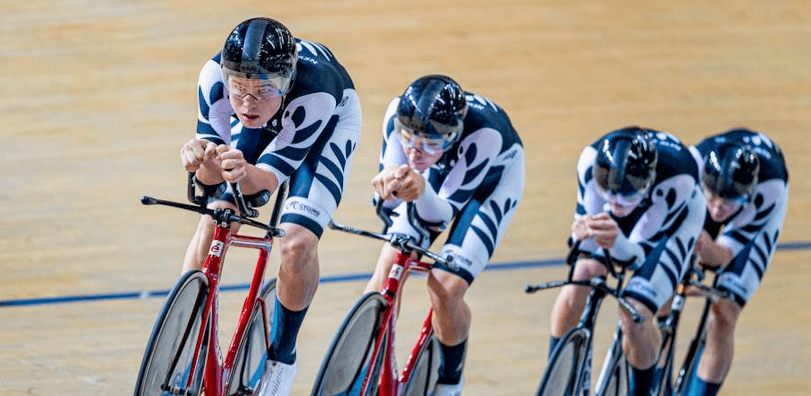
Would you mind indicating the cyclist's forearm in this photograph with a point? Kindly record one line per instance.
(209, 175)
(625, 250)
(258, 180)
(432, 208)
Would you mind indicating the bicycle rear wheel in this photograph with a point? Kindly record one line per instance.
(249, 363)
(167, 361)
(426, 369)
(349, 357)
(565, 365)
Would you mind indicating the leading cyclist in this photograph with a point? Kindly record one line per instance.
(449, 159)
(273, 108)
(638, 196)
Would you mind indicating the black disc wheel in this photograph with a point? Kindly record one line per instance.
(166, 368)
(348, 361)
(249, 363)
(618, 378)
(426, 369)
(564, 366)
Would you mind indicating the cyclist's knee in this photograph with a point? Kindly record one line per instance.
(724, 317)
(446, 288)
(637, 331)
(587, 269)
(299, 244)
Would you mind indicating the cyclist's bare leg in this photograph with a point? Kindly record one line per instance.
(381, 272)
(716, 359)
(571, 299)
(298, 272)
(295, 288)
(451, 319)
(641, 343)
(451, 322)
(200, 243)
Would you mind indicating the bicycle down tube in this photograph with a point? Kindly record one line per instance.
(218, 371)
(403, 264)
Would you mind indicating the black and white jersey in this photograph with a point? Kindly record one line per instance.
(657, 238)
(309, 142)
(751, 233)
(322, 94)
(475, 186)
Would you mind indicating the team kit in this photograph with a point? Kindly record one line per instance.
(278, 111)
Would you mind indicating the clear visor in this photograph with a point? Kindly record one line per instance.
(624, 200)
(261, 87)
(430, 145)
(728, 203)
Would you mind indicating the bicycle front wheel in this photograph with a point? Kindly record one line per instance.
(426, 369)
(167, 364)
(565, 365)
(618, 378)
(249, 363)
(348, 359)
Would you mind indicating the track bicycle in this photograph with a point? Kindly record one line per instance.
(361, 359)
(183, 355)
(568, 371)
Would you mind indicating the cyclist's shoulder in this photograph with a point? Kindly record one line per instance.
(318, 70)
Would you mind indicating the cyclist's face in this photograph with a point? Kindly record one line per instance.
(620, 205)
(419, 158)
(719, 208)
(422, 151)
(254, 101)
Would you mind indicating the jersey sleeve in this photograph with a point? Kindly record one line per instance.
(589, 202)
(213, 107)
(391, 152)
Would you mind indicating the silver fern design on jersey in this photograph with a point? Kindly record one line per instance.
(763, 244)
(499, 212)
(336, 167)
(204, 129)
(285, 158)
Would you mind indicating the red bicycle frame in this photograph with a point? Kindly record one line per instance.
(390, 385)
(218, 371)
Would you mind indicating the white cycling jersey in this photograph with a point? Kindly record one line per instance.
(311, 140)
(751, 233)
(474, 188)
(657, 238)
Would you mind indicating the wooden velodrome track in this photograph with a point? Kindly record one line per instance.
(98, 97)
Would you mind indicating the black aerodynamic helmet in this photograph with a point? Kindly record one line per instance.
(626, 160)
(731, 171)
(433, 106)
(260, 48)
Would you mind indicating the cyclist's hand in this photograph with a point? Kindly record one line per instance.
(399, 182)
(704, 240)
(195, 152)
(379, 183)
(232, 163)
(604, 229)
(407, 184)
(580, 228)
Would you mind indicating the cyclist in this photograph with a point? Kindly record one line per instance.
(449, 158)
(745, 180)
(274, 108)
(638, 197)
